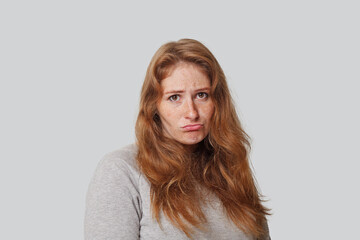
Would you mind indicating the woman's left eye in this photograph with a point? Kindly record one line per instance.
(202, 95)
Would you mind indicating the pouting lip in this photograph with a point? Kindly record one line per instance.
(192, 125)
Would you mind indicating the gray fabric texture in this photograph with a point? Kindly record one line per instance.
(118, 206)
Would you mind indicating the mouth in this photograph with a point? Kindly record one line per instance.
(192, 127)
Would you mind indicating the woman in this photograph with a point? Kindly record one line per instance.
(188, 174)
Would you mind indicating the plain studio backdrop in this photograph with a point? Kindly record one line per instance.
(71, 73)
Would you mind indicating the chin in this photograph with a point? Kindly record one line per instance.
(192, 141)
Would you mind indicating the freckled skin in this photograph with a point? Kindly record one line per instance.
(191, 105)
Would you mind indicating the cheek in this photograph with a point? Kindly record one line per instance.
(209, 111)
(167, 115)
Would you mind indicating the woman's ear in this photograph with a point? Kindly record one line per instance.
(156, 117)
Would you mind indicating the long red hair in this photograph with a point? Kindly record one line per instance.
(220, 163)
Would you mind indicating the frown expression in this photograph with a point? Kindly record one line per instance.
(185, 108)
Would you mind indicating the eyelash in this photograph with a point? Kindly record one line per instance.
(177, 95)
(205, 94)
(170, 98)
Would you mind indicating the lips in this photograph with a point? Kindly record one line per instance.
(192, 127)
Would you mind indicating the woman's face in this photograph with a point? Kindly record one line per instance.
(185, 108)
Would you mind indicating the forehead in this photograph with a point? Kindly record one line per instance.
(185, 75)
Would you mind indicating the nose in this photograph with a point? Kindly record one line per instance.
(191, 111)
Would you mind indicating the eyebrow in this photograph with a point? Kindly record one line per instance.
(181, 91)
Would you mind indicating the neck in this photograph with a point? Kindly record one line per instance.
(190, 148)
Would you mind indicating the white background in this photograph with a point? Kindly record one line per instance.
(71, 73)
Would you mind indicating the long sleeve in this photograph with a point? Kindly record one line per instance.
(118, 206)
(266, 227)
(113, 204)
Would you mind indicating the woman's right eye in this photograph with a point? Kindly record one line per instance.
(174, 98)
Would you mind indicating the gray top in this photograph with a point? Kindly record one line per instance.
(118, 206)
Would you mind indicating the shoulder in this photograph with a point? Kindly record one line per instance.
(122, 158)
(118, 166)
(113, 201)
(115, 175)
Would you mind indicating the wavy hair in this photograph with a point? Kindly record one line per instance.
(220, 164)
